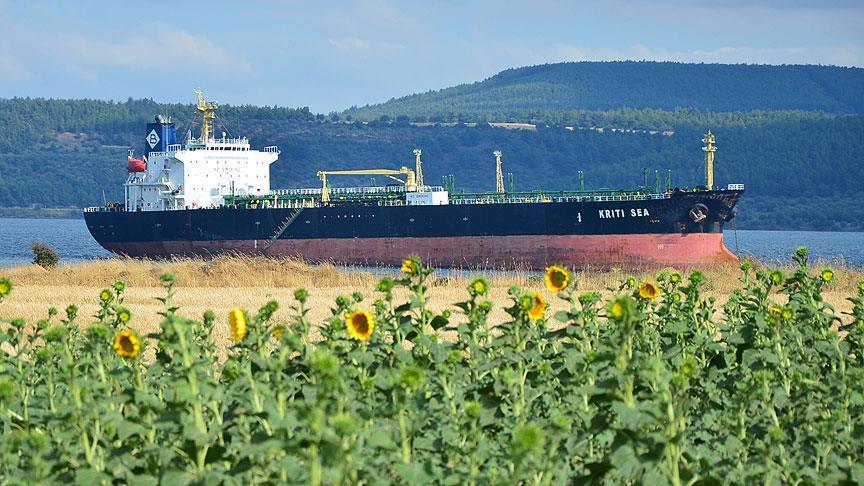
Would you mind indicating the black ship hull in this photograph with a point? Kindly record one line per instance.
(684, 228)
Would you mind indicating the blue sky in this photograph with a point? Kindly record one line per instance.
(331, 55)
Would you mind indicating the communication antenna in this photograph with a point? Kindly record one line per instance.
(499, 174)
(709, 149)
(419, 169)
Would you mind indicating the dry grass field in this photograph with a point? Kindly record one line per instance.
(249, 282)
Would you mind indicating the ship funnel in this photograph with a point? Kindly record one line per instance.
(159, 135)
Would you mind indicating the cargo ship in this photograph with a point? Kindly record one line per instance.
(211, 195)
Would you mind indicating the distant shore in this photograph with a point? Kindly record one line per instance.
(42, 213)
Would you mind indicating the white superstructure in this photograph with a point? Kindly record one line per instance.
(198, 173)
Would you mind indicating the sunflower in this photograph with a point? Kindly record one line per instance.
(539, 308)
(409, 267)
(616, 309)
(776, 277)
(479, 286)
(556, 278)
(360, 324)
(648, 290)
(278, 331)
(127, 344)
(774, 315)
(827, 275)
(5, 287)
(675, 278)
(237, 324)
(124, 315)
(105, 295)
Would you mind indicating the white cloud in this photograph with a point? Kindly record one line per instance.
(150, 48)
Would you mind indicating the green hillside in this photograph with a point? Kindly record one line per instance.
(802, 168)
(554, 92)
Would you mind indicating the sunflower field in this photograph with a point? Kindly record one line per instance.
(657, 384)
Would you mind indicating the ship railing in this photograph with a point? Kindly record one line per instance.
(174, 147)
(271, 149)
(226, 140)
(353, 190)
(157, 154)
(540, 198)
(112, 208)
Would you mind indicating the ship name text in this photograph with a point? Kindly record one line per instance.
(621, 213)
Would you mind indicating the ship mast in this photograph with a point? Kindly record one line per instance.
(418, 169)
(709, 149)
(499, 173)
(208, 114)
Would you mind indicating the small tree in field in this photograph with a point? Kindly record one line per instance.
(44, 255)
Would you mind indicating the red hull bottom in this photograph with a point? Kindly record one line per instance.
(639, 250)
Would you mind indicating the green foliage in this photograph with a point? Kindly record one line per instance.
(549, 89)
(657, 389)
(44, 255)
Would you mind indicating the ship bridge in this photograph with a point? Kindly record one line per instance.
(199, 173)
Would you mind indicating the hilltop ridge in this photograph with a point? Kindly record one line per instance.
(549, 91)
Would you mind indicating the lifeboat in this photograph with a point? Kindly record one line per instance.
(136, 165)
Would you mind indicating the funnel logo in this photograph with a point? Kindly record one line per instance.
(152, 139)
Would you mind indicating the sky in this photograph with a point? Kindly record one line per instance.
(332, 55)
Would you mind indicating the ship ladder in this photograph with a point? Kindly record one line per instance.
(282, 227)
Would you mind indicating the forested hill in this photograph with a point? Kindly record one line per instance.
(548, 92)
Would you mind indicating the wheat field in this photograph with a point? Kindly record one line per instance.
(249, 282)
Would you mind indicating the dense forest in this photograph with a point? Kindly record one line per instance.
(551, 92)
(802, 168)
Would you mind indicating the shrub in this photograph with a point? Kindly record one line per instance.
(44, 255)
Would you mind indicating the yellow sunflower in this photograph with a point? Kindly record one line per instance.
(409, 267)
(105, 295)
(539, 308)
(360, 324)
(127, 344)
(237, 324)
(616, 309)
(479, 286)
(648, 290)
(5, 287)
(556, 278)
(827, 275)
(124, 315)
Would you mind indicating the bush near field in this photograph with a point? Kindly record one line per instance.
(656, 384)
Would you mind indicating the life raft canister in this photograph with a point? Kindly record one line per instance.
(136, 165)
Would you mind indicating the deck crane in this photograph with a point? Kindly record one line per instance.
(410, 181)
